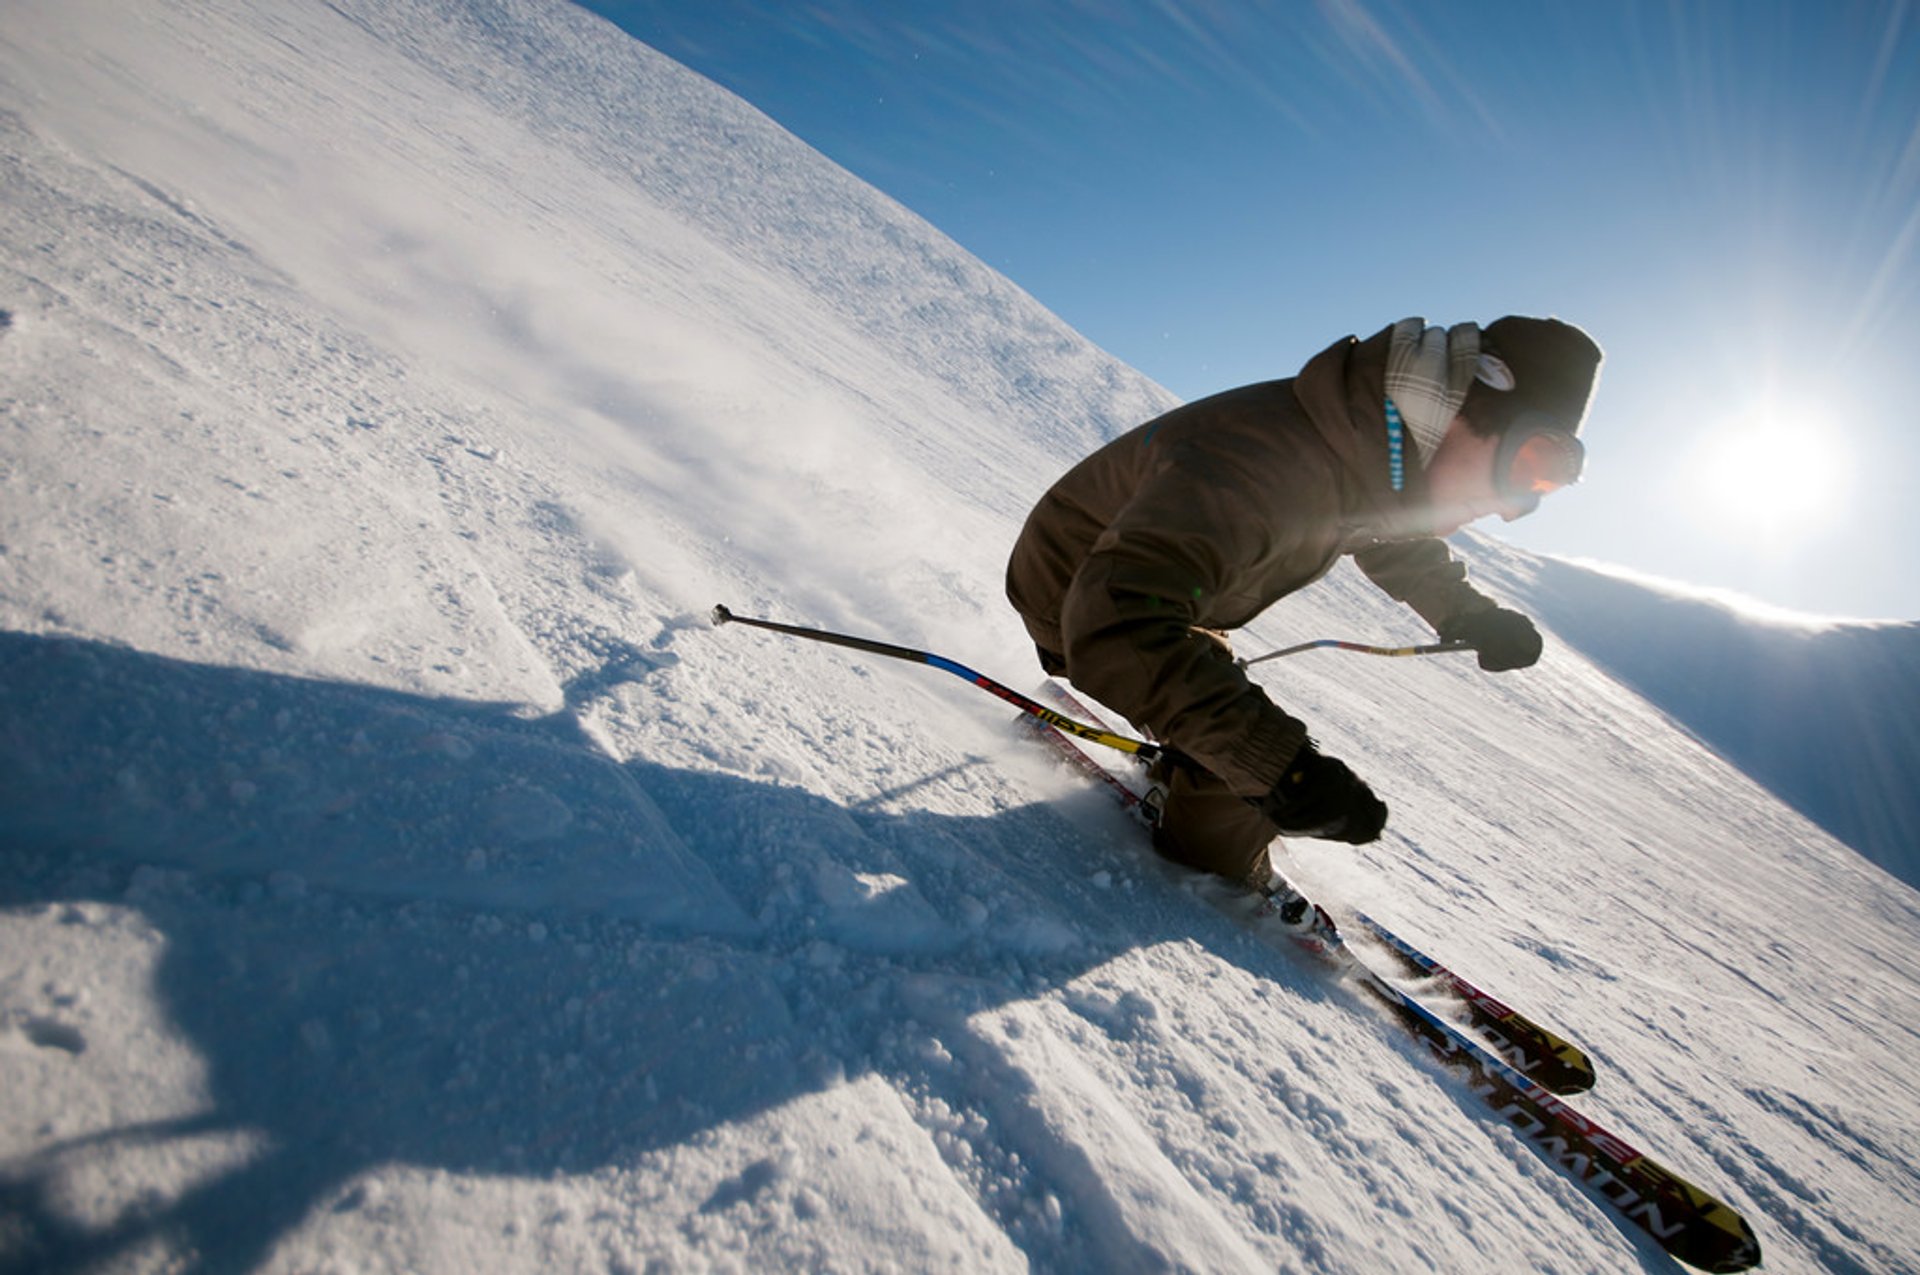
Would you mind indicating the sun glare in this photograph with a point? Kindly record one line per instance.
(1773, 472)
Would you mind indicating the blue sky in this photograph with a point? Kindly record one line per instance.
(1727, 195)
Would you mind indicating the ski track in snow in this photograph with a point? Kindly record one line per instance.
(399, 872)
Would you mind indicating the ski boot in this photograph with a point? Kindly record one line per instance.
(1303, 920)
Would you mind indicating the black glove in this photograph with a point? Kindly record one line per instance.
(1505, 639)
(1320, 797)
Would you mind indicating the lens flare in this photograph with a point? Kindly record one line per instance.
(1772, 474)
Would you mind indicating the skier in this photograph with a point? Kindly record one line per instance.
(1133, 564)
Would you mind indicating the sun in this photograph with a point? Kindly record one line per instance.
(1773, 472)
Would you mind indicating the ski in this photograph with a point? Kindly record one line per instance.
(1551, 1059)
(1544, 1055)
(1686, 1222)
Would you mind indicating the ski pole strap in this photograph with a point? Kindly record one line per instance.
(1436, 648)
(1139, 747)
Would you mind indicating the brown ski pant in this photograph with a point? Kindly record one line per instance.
(1209, 828)
(1205, 826)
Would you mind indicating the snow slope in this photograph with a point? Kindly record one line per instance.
(399, 874)
(1819, 712)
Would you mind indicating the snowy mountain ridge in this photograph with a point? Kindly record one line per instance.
(399, 872)
(1808, 707)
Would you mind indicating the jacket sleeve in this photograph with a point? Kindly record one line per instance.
(1133, 608)
(1426, 576)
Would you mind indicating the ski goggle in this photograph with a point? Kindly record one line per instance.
(1534, 461)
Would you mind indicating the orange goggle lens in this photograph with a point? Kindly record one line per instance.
(1536, 463)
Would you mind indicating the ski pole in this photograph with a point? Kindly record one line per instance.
(1139, 747)
(1436, 648)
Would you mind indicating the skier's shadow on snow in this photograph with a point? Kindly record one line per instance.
(427, 932)
(401, 930)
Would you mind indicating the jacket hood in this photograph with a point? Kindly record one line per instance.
(1343, 390)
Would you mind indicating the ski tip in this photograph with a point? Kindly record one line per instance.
(1721, 1242)
(1566, 1080)
(1574, 1068)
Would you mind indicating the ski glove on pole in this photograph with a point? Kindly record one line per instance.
(1321, 797)
(1505, 639)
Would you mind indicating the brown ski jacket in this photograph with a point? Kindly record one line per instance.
(1197, 522)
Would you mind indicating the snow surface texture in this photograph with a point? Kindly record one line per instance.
(399, 874)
